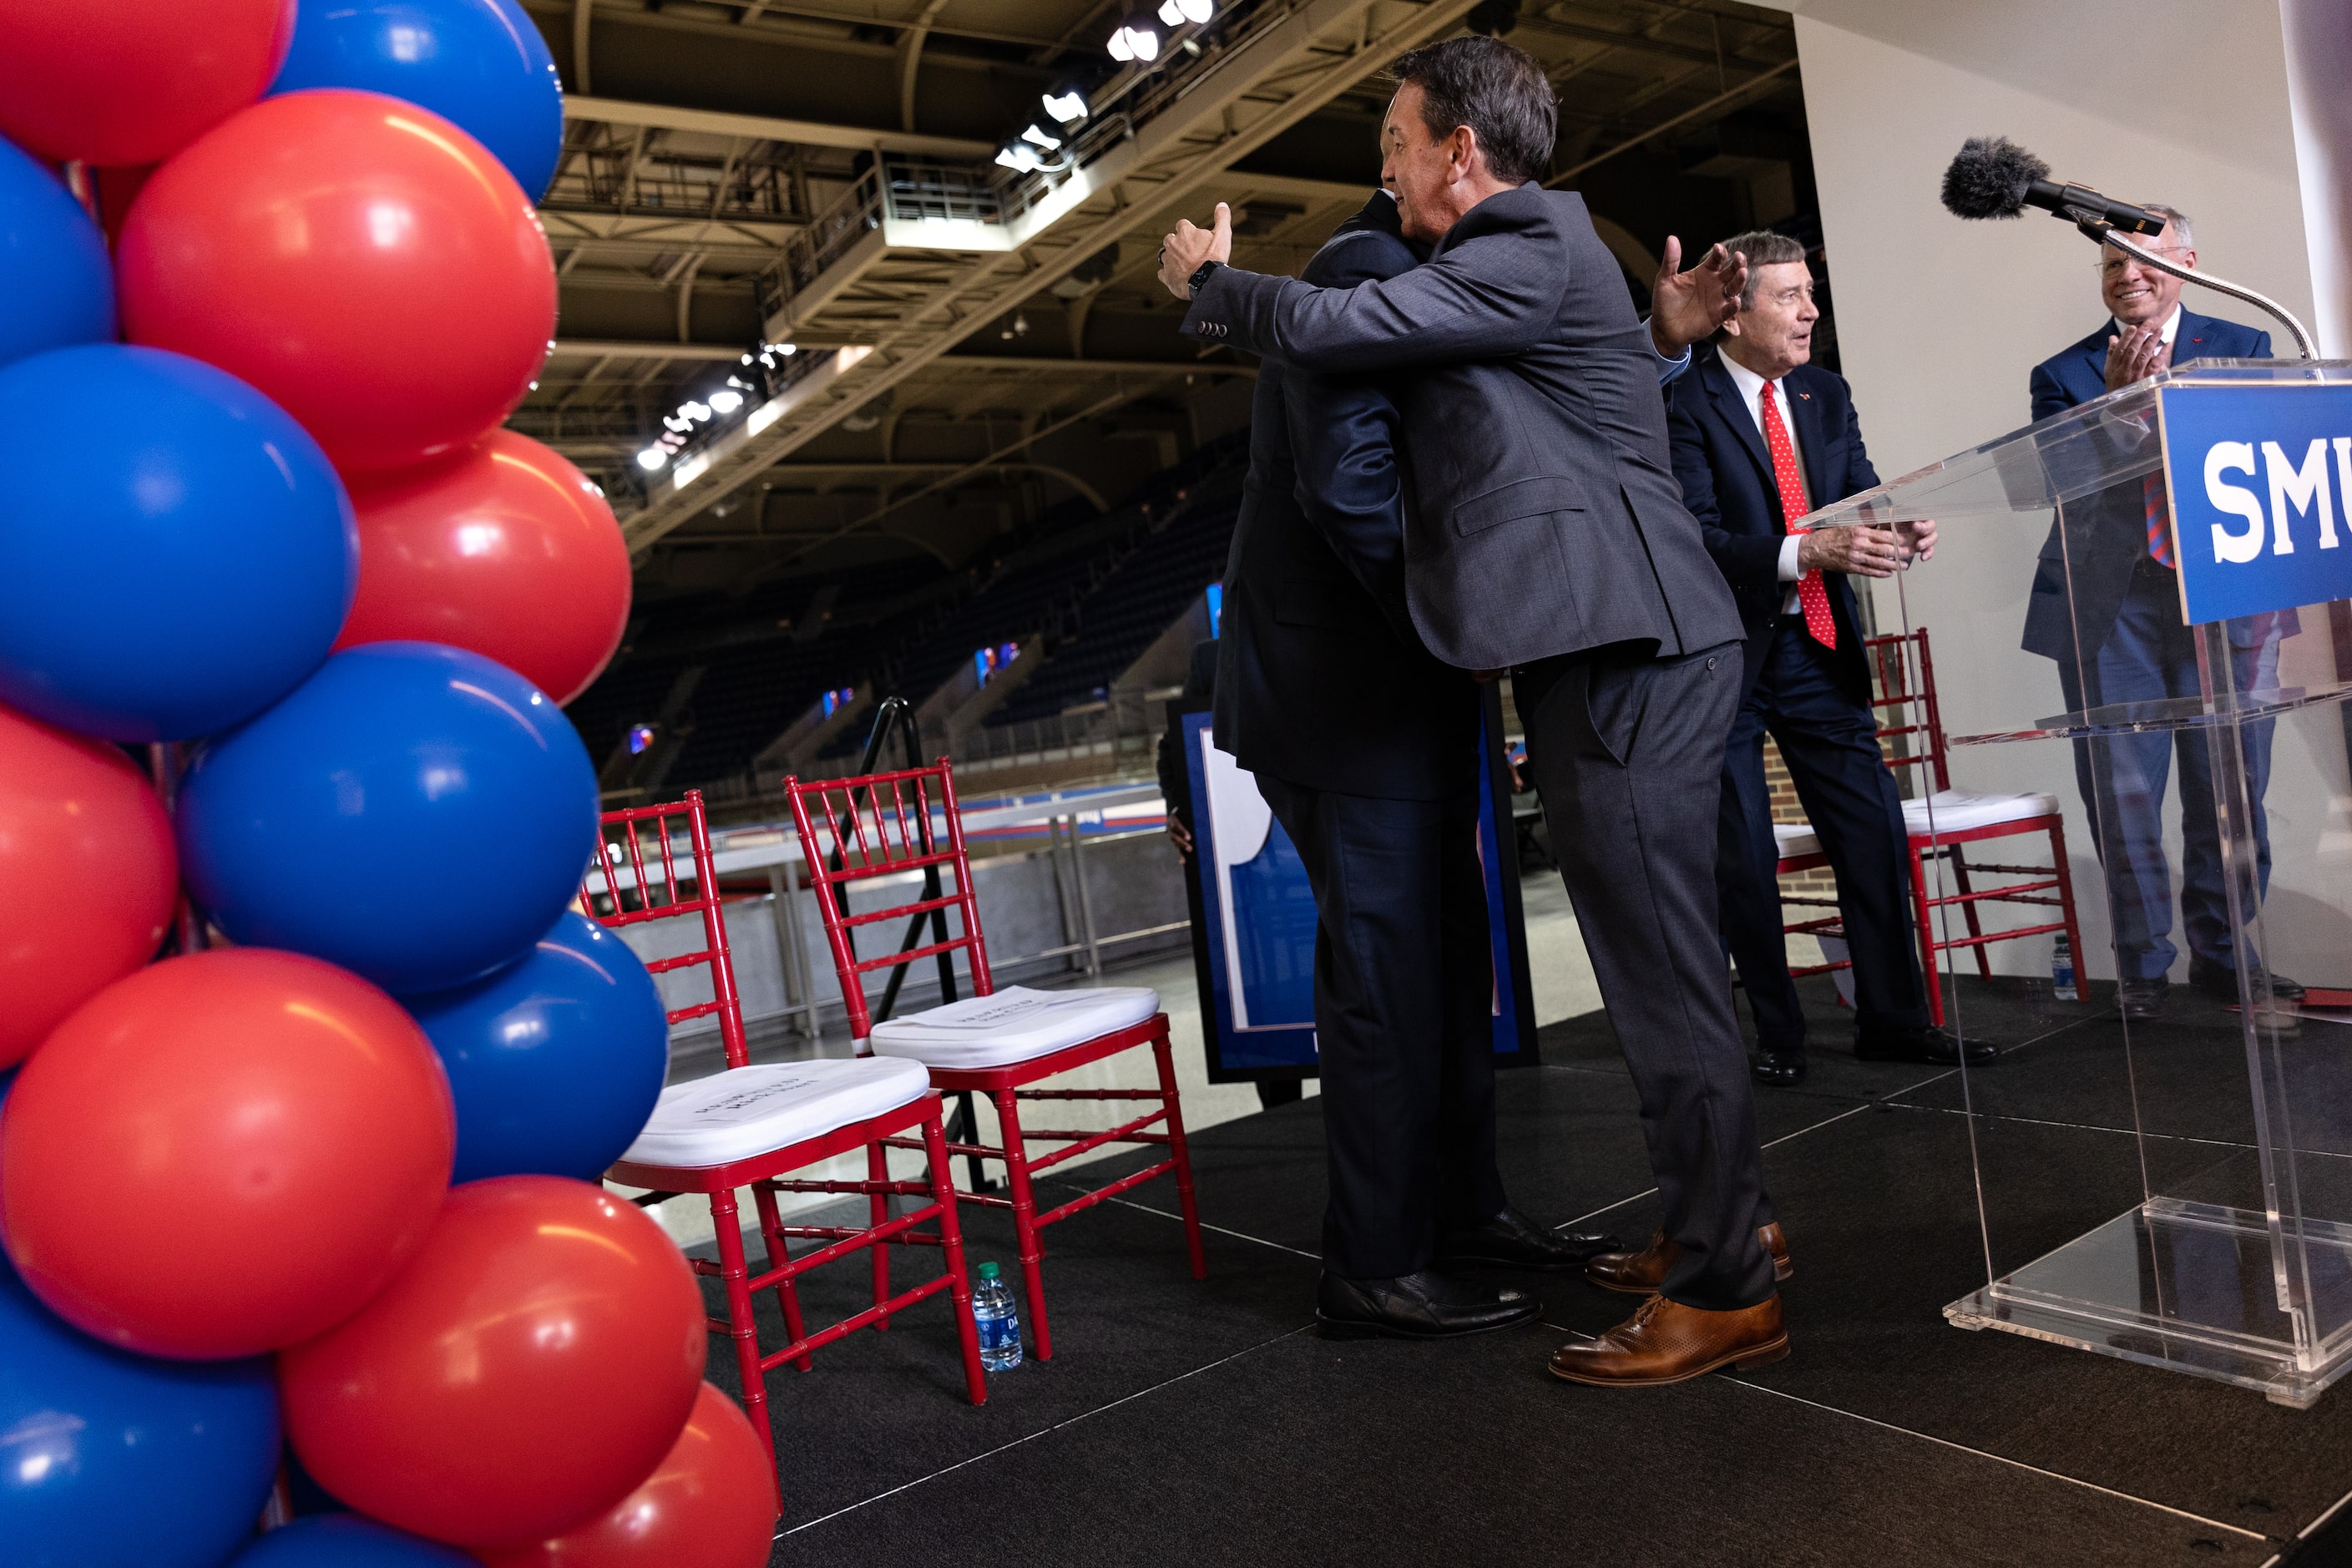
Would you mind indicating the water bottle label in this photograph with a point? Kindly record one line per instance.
(997, 1332)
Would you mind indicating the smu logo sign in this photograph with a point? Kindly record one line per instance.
(2260, 480)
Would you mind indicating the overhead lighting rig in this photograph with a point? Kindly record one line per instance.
(697, 415)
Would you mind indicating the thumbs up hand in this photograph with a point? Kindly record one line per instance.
(1182, 253)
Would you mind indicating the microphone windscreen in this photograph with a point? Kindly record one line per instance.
(1990, 178)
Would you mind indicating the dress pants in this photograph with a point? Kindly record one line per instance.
(1830, 744)
(1404, 987)
(1627, 751)
(2149, 655)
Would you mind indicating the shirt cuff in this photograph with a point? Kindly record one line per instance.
(1668, 369)
(1789, 572)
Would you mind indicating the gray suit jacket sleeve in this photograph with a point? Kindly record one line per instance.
(1493, 294)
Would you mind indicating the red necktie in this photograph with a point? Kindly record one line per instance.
(1812, 596)
(2159, 537)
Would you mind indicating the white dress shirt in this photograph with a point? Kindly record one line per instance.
(2171, 329)
(1752, 392)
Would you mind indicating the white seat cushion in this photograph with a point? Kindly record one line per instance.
(1956, 810)
(1013, 1025)
(736, 1114)
(1795, 838)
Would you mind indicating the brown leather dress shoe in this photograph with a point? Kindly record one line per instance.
(1666, 1342)
(1642, 1273)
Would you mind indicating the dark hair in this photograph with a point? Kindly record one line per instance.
(1763, 248)
(1496, 89)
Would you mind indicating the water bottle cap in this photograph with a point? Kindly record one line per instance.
(988, 1271)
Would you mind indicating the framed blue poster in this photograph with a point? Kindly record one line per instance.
(1254, 917)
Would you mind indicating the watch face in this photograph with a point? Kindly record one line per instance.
(1201, 273)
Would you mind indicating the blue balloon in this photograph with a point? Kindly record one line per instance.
(477, 63)
(347, 1541)
(555, 1062)
(113, 1461)
(56, 287)
(415, 812)
(175, 556)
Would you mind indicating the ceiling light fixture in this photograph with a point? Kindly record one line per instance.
(1134, 40)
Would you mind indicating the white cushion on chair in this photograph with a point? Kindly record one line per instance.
(1956, 811)
(1013, 1025)
(1795, 838)
(743, 1111)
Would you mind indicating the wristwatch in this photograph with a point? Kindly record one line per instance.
(1200, 274)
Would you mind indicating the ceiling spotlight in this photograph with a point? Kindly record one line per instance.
(1136, 39)
(1020, 157)
(1068, 106)
(1032, 134)
(652, 458)
(726, 400)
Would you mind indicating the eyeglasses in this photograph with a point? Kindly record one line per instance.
(2112, 266)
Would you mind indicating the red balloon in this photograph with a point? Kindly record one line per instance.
(132, 81)
(85, 842)
(366, 264)
(223, 1154)
(509, 551)
(710, 1504)
(522, 1375)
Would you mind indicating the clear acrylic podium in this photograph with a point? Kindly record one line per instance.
(2174, 1190)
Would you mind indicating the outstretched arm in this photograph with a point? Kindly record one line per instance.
(1489, 297)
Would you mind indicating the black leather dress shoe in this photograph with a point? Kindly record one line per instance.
(1778, 1069)
(1511, 1240)
(1423, 1306)
(1933, 1046)
(2220, 981)
(2145, 998)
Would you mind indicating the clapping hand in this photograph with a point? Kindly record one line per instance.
(2134, 354)
(1686, 308)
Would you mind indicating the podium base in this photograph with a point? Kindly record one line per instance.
(2192, 1287)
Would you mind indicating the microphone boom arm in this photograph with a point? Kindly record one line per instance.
(2104, 234)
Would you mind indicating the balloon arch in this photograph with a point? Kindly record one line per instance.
(291, 819)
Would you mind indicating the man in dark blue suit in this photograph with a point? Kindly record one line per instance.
(1365, 745)
(1762, 435)
(2120, 638)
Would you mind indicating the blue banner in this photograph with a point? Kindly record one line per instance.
(2260, 480)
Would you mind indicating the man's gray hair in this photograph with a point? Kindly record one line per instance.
(2174, 219)
(1763, 248)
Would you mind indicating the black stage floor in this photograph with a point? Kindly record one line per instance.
(1185, 1422)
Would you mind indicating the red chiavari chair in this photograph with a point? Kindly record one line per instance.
(993, 1043)
(1940, 823)
(748, 1127)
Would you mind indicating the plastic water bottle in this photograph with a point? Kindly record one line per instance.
(2062, 971)
(998, 1321)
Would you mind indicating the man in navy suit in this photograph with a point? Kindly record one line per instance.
(1761, 436)
(2121, 639)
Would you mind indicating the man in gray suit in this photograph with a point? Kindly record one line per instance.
(1546, 534)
